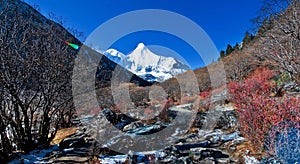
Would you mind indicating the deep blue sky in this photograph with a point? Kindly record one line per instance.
(224, 21)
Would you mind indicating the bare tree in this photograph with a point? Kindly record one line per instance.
(239, 64)
(235, 68)
(281, 42)
(35, 79)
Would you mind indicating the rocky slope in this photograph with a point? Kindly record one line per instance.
(221, 143)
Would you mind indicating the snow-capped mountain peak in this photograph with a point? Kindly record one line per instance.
(141, 56)
(148, 65)
(141, 46)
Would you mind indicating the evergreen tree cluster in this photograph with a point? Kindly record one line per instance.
(229, 49)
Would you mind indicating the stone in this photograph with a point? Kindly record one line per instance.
(147, 129)
(228, 121)
(72, 142)
(229, 137)
(197, 145)
(207, 161)
(185, 147)
(223, 160)
(133, 125)
(71, 159)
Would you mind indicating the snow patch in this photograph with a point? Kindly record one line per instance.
(250, 160)
(35, 156)
(113, 159)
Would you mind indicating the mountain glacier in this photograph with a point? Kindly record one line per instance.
(149, 66)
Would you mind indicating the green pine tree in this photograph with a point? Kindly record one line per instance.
(229, 49)
(247, 38)
(222, 54)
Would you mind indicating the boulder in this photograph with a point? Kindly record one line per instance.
(132, 126)
(72, 143)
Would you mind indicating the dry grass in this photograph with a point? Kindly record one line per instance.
(246, 148)
(62, 134)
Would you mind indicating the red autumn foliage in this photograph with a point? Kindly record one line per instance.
(205, 100)
(258, 111)
(205, 94)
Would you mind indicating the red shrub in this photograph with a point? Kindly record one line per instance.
(205, 94)
(205, 100)
(257, 110)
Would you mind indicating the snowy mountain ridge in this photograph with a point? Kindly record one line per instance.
(146, 64)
